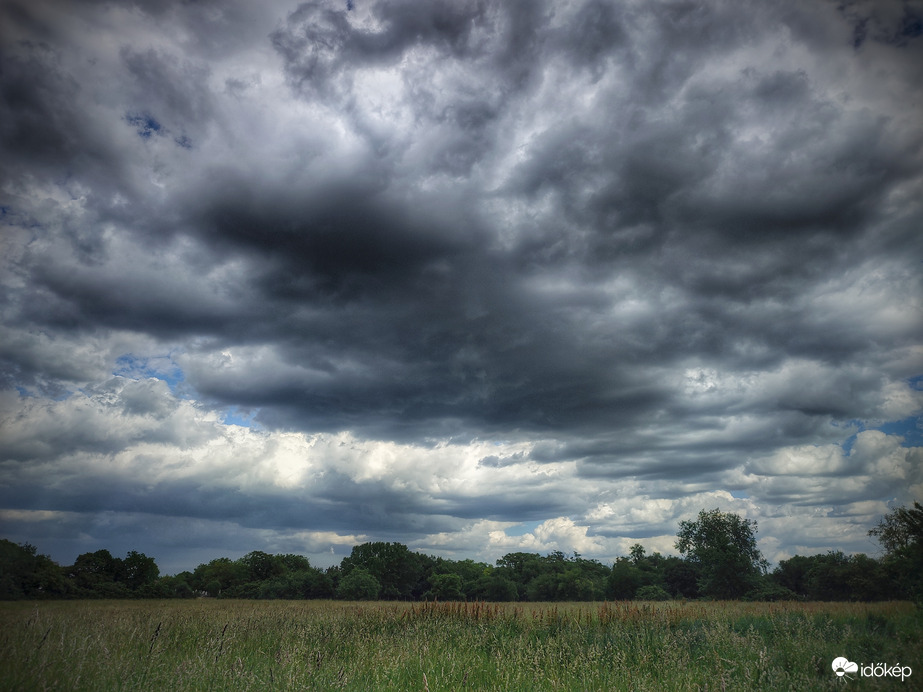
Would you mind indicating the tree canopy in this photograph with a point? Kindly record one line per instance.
(900, 533)
(723, 547)
(719, 559)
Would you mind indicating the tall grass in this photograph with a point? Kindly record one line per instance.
(324, 645)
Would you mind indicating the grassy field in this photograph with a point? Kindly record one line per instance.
(324, 645)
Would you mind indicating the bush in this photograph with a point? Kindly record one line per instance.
(652, 593)
(770, 591)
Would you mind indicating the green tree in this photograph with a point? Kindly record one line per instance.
(680, 578)
(636, 553)
(399, 571)
(792, 574)
(868, 579)
(900, 530)
(261, 566)
(139, 570)
(25, 574)
(722, 546)
(304, 583)
(544, 587)
(625, 579)
(446, 587)
(177, 586)
(99, 575)
(358, 585)
(293, 563)
(521, 569)
(469, 571)
(493, 586)
(900, 533)
(828, 577)
(218, 576)
(834, 576)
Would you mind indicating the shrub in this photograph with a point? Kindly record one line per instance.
(652, 592)
(768, 590)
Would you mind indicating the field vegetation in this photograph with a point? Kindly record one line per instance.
(224, 644)
(529, 622)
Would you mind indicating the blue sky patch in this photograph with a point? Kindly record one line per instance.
(234, 415)
(144, 123)
(522, 529)
(911, 429)
(160, 367)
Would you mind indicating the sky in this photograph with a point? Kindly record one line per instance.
(477, 277)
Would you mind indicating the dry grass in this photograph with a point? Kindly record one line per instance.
(285, 645)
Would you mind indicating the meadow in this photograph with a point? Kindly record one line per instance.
(213, 644)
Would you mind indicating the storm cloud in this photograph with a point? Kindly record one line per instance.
(475, 276)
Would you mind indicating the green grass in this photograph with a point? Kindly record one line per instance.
(323, 645)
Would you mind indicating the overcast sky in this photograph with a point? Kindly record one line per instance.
(477, 277)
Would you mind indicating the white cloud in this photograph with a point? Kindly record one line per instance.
(558, 533)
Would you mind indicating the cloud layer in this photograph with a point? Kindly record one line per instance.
(475, 276)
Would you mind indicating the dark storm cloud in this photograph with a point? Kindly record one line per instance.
(666, 244)
(37, 122)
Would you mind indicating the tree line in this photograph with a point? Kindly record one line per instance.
(719, 559)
